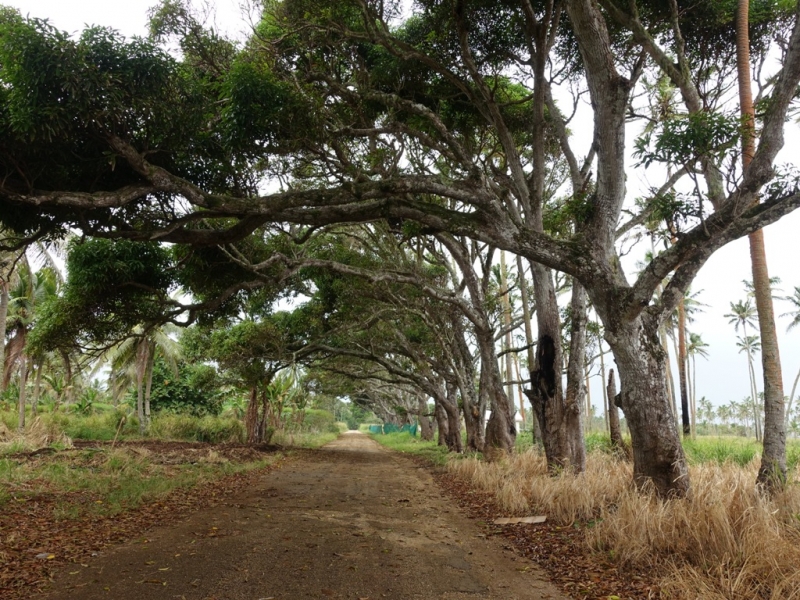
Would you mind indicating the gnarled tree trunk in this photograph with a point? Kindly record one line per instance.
(613, 415)
(558, 410)
(657, 452)
(425, 425)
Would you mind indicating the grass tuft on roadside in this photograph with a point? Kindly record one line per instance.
(726, 541)
(107, 481)
(402, 441)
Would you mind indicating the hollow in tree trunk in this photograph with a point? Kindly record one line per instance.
(559, 413)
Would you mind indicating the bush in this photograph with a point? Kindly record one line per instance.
(195, 390)
(312, 421)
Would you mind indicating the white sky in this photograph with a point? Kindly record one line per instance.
(721, 378)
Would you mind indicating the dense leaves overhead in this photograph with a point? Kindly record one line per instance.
(111, 287)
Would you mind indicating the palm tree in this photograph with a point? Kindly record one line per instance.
(30, 288)
(794, 299)
(696, 347)
(772, 472)
(132, 362)
(750, 345)
(742, 314)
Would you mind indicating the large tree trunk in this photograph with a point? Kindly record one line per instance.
(685, 419)
(501, 432)
(613, 415)
(251, 417)
(3, 316)
(657, 452)
(141, 367)
(473, 401)
(772, 472)
(606, 401)
(425, 425)
(559, 414)
(453, 436)
(529, 342)
(442, 429)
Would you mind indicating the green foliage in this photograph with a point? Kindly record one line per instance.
(111, 287)
(196, 389)
(682, 139)
(313, 421)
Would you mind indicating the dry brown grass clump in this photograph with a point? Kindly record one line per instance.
(727, 541)
(37, 434)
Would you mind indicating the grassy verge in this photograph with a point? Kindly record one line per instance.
(303, 439)
(405, 442)
(726, 541)
(107, 481)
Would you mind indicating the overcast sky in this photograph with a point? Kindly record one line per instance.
(721, 378)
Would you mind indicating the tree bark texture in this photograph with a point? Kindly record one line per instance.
(141, 367)
(772, 472)
(441, 424)
(685, 419)
(501, 432)
(558, 410)
(3, 316)
(657, 452)
(425, 425)
(23, 385)
(613, 414)
(529, 342)
(251, 417)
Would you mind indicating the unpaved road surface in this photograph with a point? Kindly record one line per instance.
(351, 520)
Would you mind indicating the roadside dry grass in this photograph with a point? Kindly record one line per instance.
(726, 542)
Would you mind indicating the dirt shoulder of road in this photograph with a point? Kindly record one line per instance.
(37, 540)
(351, 520)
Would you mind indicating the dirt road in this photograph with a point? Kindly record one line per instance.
(351, 520)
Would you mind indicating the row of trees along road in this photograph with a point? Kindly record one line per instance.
(448, 128)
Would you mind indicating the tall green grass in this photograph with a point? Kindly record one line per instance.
(402, 441)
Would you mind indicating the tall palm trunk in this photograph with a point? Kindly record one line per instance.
(3, 316)
(772, 472)
(791, 399)
(141, 367)
(149, 382)
(23, 384)
(662, 333)
(37, 388)
(693, 393)
(685, 419)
